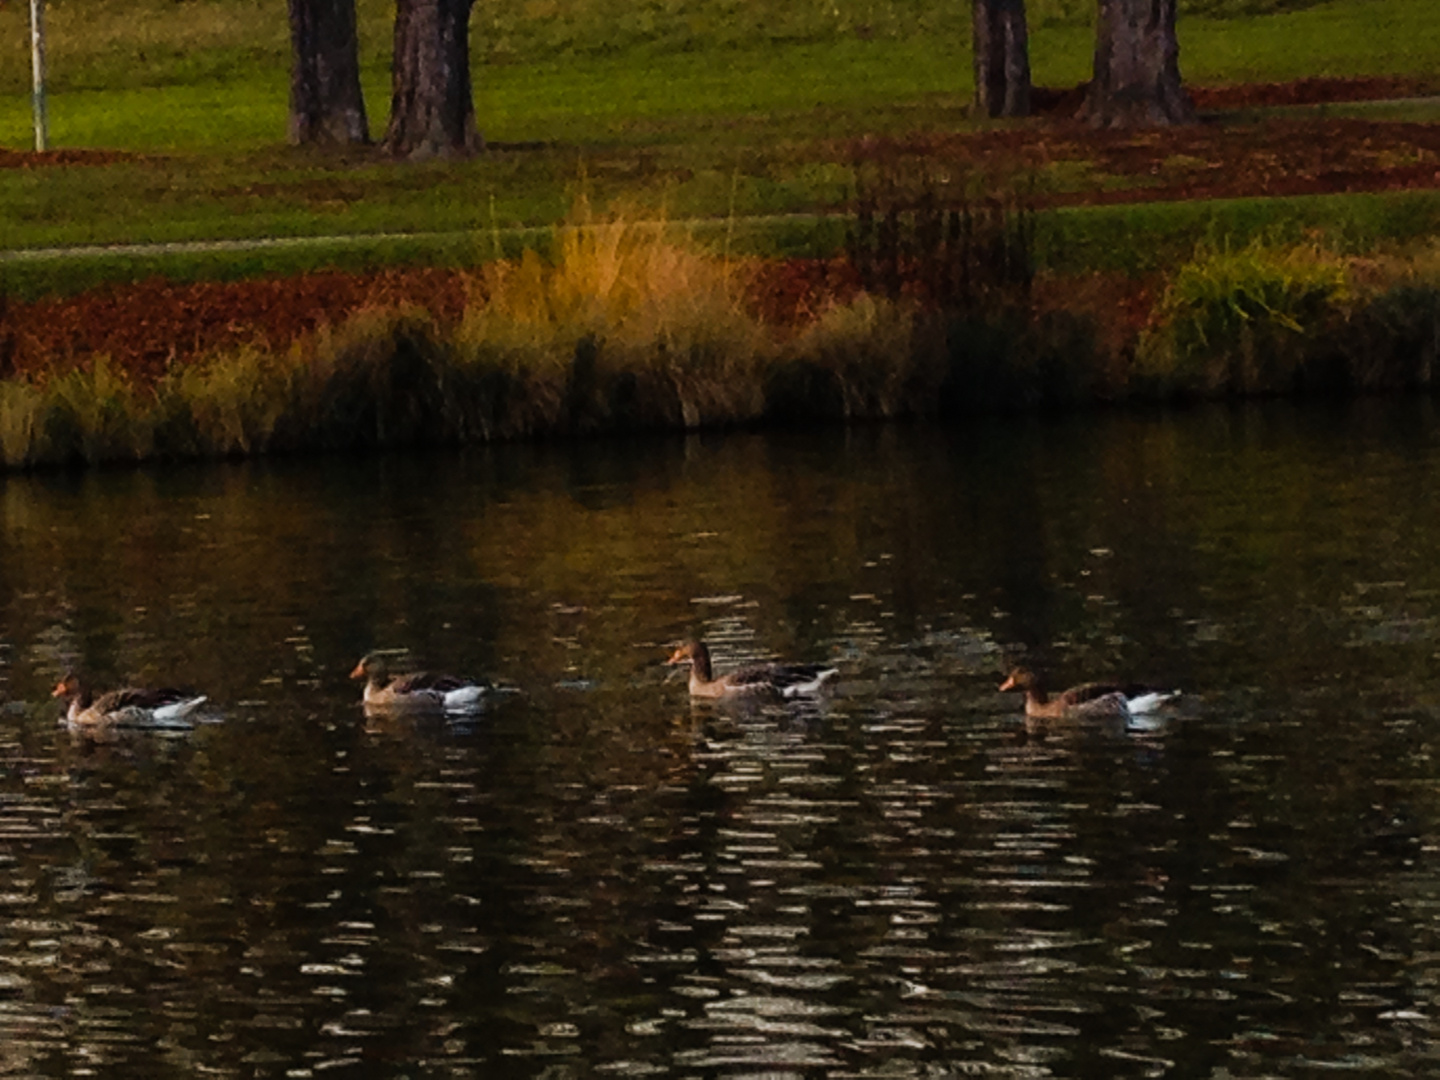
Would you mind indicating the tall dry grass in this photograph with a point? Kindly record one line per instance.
(628, 325)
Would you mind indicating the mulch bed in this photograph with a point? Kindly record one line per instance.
(28, 159)
(1065, 102)
(1315, 91)
(1212, 160)
(146, 326)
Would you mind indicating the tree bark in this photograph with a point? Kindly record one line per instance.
(432, 109)
(1002, 58)
(326, 106)
(1137, 67)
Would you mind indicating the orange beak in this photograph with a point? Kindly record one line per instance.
(359, 672)
(60, 689)
(1008, 684)
(679, 656)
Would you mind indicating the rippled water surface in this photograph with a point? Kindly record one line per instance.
(593, 878)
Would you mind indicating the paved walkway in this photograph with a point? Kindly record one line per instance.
(259, 243)
(483, 236)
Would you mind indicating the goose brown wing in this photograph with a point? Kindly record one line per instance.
(425, 680)
(753, 676)
(137, 698)
(774, 676)
(1087, 692)
(795, 674)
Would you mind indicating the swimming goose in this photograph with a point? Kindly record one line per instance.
(787, 680)
(1087, 699)
(418, 691)
(128, 707)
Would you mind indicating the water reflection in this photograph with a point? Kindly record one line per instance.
(594, 877)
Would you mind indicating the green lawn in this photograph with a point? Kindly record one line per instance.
(664, 98)
(1150, 237)
(705, 108)
(1341, 38)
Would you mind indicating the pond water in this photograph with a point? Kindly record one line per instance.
(594, 878)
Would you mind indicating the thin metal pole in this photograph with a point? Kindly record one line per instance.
(37, 67)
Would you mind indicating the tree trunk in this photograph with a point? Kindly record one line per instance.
(326, 106)
(1137, 67)
(432, 111)
(1002, 58)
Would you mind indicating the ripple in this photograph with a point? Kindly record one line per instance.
(900, 881)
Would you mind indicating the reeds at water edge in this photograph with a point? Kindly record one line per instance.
(631, 326)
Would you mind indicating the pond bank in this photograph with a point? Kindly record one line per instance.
(623, 329)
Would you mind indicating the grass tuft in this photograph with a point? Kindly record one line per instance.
(21, 404)
(857, 360)
(229, 405)
(1242, 321)
(626, 324)
(92, 414)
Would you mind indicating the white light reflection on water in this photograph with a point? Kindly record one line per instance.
(593, 877)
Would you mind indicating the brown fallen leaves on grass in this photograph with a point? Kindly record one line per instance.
(147, 326)
(152, 325)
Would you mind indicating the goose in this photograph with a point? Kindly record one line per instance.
(128, 707)
(419, 691)
(1087, 699)
(786, 680)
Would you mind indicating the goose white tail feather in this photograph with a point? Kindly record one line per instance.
(1149, 702)
(811, 686)
(178, 710)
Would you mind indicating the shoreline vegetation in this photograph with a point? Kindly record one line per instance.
(934, 311)
(863, 249)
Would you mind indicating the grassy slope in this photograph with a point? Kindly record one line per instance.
(1145, 237)
(1363, 37)
(632, 97)
(212, 74)
(703, 107)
